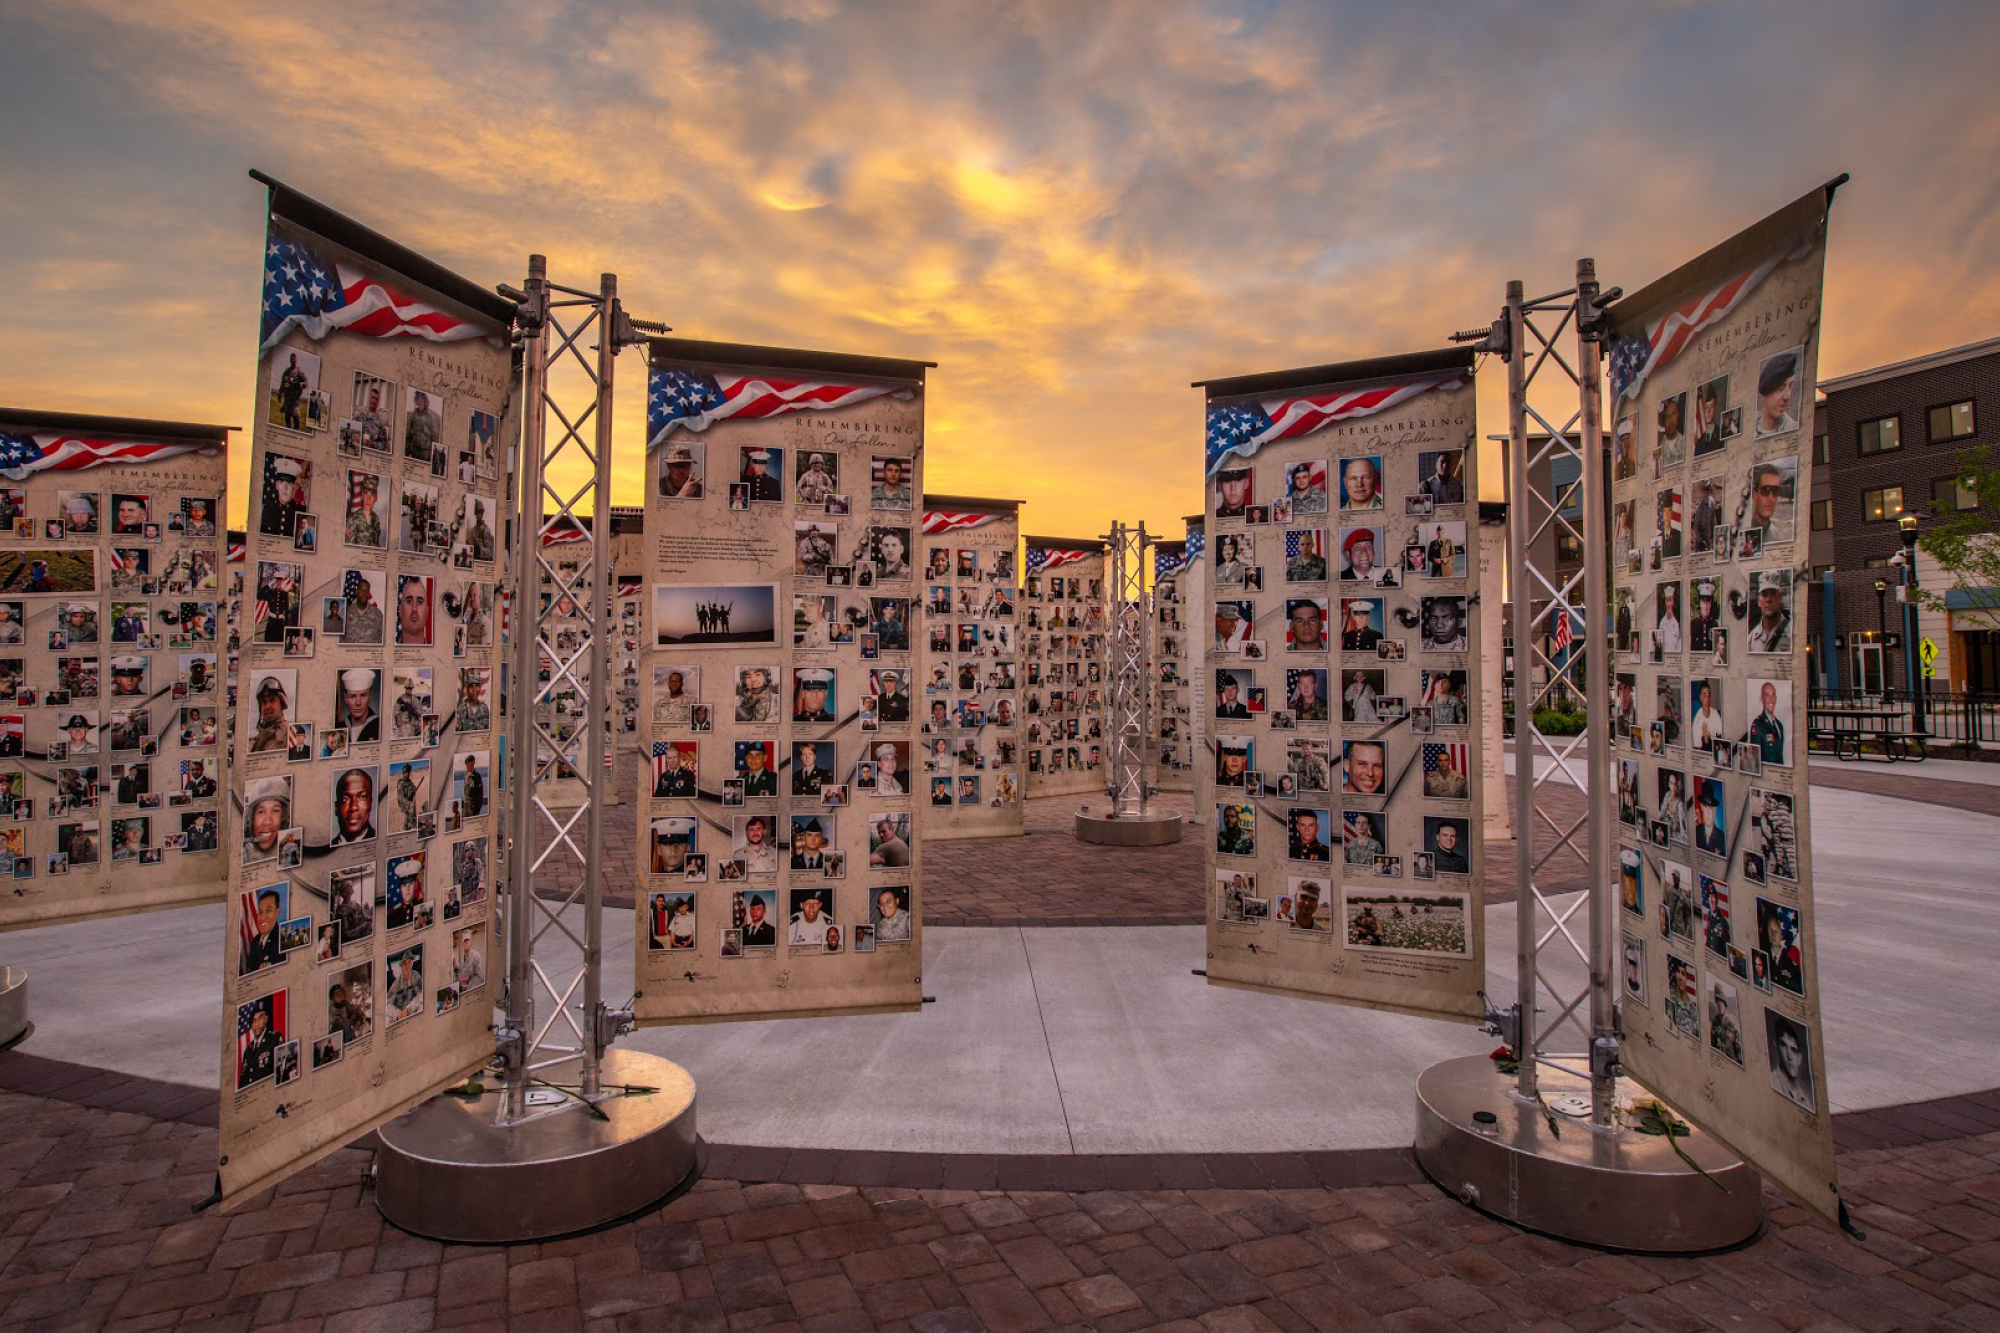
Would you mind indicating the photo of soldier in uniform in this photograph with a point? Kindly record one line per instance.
(294, 379)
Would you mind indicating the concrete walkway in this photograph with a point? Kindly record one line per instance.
(1094, 1041)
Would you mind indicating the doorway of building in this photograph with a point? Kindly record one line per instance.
(1868, 668)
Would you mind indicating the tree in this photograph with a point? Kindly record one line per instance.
(1966, 544)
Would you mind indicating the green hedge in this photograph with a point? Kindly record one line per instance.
(1558, 722)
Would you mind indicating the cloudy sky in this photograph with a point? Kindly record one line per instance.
(1075, 208)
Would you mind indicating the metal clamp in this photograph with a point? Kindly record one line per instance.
(1604, 1058)
(510, 1047)
(1504, 1023)
(609, 1024)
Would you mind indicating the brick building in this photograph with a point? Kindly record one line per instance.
(1887, 444)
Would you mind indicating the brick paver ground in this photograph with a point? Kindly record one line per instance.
(96, 1233)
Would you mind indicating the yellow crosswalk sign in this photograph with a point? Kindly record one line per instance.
(1927, 653)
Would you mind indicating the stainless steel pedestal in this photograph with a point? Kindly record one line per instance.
(1622, 1190)
(1156, 828)
(13, 1004)
(447, 1171)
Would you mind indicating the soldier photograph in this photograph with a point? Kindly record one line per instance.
(761, 470)
(890, 483)
(272, 730)
(681, 472)
(472, 712)
(286, 494)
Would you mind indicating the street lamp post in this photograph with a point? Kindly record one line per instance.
(1908, 526)
(1882, 629)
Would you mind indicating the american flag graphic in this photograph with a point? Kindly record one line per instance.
(117, 558)
(1565, 634)
(21, 456)
(1041, 558)
(1354, 826)
(1305, 541)
(945, 520)
(1169, 561)
(1245, 427)
(562, 531)
(353, 584)
(697, 399)
(629, 587)
(274, 1003)
(1197, 542)
(304, 291)
(1437, 756)
(1637, 355)
(355, 483)
(238, 550)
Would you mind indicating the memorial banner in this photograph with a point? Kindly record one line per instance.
(362, 827)
(975, 766)
(1712, 373)
(1173, 763)
(1341, 623)
(112, 758)
(780, 858)
(1065, 648)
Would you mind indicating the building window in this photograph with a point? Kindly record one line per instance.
(1883, 505)
(1876, 562)
(1822, 448)
(1881, 436)
(1569, 550)
(1947, 493)
(1821, 571)
(1822, 515)
(1951, 421)
(1566, 483)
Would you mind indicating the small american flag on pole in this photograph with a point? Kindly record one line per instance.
(1564, 634)
(1245, 427)
(1637, 355)
(696, 399)
(21, 456)
(945, 520)
(307, 291)
(1041, 558)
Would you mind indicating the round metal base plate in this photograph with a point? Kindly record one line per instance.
(1621, 1190)
(1156, 828)
(447, 1171)
(13, 1004)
